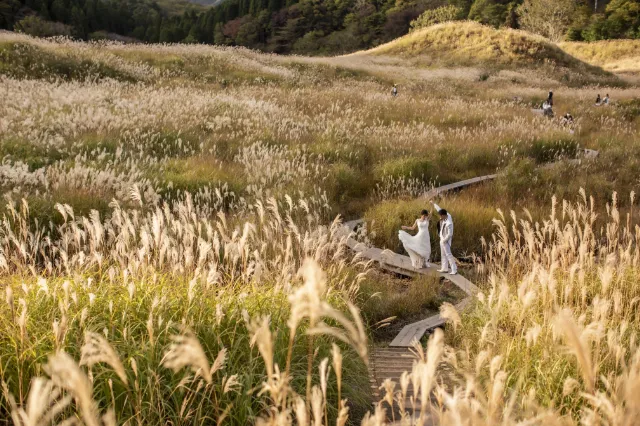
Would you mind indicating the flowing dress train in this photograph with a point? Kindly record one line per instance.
(418, 246)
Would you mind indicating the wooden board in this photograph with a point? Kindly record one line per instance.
(391, 362)
(400, 264)
(414, 332)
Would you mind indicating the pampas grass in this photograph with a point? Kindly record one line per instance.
(170, 249)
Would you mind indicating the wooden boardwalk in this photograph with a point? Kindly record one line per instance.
(391, 361)
(400, 264)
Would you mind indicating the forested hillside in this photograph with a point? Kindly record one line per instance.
(313, 26)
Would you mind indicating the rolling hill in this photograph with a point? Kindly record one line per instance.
(472, 44)
(621, 56)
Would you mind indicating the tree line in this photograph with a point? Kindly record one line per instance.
(312, 26)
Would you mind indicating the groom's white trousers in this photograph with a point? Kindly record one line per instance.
(447, 257)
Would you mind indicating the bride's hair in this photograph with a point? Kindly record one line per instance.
(425, 213)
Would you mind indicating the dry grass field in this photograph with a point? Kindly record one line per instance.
(621, 56)
(170, 245)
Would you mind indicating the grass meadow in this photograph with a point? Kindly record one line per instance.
(171, 249)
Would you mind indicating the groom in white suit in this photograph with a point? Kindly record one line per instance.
(445, 232)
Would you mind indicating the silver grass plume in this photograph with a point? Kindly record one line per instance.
(44, 403)
(96, 349)
(67, 375)
(450, 314)
(565, 324)
(185, 351)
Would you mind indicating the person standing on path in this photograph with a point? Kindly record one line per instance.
(445, 231)
(394, 91)
(418, 246)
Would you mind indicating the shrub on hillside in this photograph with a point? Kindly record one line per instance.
(20, 60)
(490, 12)
(37, 27)
(347, 184)
(630, 109)
(436, 16)
(517, 178)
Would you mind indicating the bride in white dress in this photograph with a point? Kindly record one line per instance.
(418, 246)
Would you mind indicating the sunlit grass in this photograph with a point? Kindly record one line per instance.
(169, 226)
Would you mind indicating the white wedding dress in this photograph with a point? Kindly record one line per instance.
(418, 246)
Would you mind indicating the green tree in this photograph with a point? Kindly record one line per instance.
(44, 11)
(436, 16)
(78, 22)
(8, 9)
(35, 26)
(549, 18)
(490, 12)
(218, 35)
(463, 5)
(309, 43)
(91, 15)
(623, 19)
(59, 11)
(512, 15)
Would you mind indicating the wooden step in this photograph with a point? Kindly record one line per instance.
(393, 358)
(390, 350)
(392, 361)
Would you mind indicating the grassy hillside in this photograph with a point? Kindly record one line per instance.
(611, 55)
(162, 203)
(473, 44)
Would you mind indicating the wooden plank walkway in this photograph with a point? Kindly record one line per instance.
(400, 264)
(392, 361)
(458, 185)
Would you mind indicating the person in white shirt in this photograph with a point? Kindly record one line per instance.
(445, 231)
(394, 91)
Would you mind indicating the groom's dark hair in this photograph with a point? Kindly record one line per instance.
(442, 212)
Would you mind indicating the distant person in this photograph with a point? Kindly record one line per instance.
(445, 232)
(598, 100)
(394, 91)
(550, 98)
(605, 101)
(567, 121)
(418, 246)
(547, 109)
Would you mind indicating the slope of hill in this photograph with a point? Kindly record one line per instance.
(159, 200)
(611, 55)
(472, 44)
